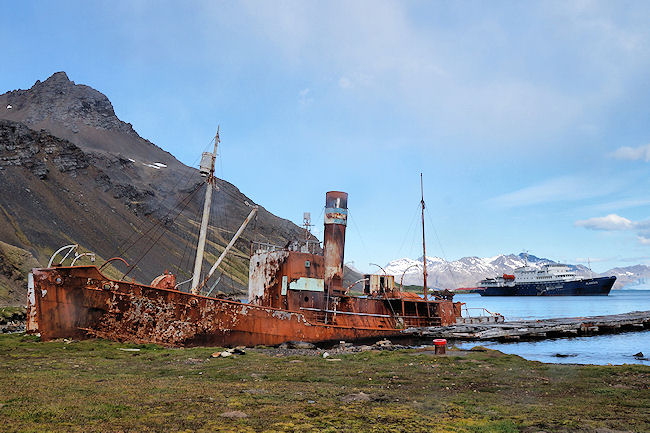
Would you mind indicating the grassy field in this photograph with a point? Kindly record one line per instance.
(12, 313)
(94, 386)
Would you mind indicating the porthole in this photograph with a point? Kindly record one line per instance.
(306, 298)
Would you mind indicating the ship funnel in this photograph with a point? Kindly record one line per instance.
(336, 218)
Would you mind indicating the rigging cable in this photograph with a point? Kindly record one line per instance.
(162, 232)
(415, 217)
(363, 244)
(181, 179)
(163, 228)
(321, 230)
(159, 222)
(444, 256)
(194, 233)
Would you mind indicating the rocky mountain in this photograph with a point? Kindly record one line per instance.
(81, 115)
(72, 172)
(466, 272)
(630, 276)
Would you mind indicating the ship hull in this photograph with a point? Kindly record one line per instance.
(79, 302)
(588, 287)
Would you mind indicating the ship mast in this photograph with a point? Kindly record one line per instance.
(196, 276)
(424, 249)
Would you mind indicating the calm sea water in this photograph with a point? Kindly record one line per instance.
(602, 349)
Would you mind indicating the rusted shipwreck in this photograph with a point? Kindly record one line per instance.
(295, 293)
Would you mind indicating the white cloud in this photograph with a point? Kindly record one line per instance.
(345, 83)
(587, 260)
(644, 240)
(613, 222)
(304, 97)
(486, 70)
(469, 71)
(615, 205)
(559, 189)
(609, 223)
(632, 153)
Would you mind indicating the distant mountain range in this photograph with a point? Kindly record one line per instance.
(468, 271)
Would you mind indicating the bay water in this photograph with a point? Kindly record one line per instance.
(600, 349)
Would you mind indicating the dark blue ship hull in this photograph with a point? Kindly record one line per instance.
(587, 287)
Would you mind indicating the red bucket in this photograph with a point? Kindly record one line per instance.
(440, 345)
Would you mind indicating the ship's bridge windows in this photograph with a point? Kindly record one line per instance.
(307, 284)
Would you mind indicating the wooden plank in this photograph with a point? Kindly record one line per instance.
(538, 329)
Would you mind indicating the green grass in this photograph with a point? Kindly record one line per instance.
(93, 386)
(12, 313)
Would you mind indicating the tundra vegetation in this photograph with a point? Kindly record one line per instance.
(96, 385)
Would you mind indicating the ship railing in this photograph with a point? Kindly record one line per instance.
(311, 246)
(478, 312)
(408, 320)
(308, 246)
(263, 247)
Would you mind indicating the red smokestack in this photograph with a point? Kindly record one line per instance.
(336, 218)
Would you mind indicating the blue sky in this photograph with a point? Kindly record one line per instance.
(529, 120)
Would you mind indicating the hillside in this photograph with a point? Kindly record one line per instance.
(15, 263)
(72, 172)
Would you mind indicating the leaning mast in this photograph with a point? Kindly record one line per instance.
(198, 262)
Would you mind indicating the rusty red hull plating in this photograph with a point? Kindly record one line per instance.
(80, 302)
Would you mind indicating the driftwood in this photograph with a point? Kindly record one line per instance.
(538, 329)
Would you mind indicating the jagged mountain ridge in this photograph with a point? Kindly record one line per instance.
(467, 271)
(78, 113)
(72, 172)
(86, 118)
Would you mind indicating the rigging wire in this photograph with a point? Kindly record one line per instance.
(194, 233)
(181, 179)
(319, 233)
(415, 241)
(153, 243)
(154, 224)
(413, 220)
(444, 256)
(232, 287)
(220, 213)
(162, 232)
(159, 222)
(155, 237)
(363, 244)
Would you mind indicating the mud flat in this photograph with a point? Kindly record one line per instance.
(97, 385)
(538, 329)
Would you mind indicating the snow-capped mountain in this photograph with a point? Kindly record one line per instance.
(465, 272)
(631, 277)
